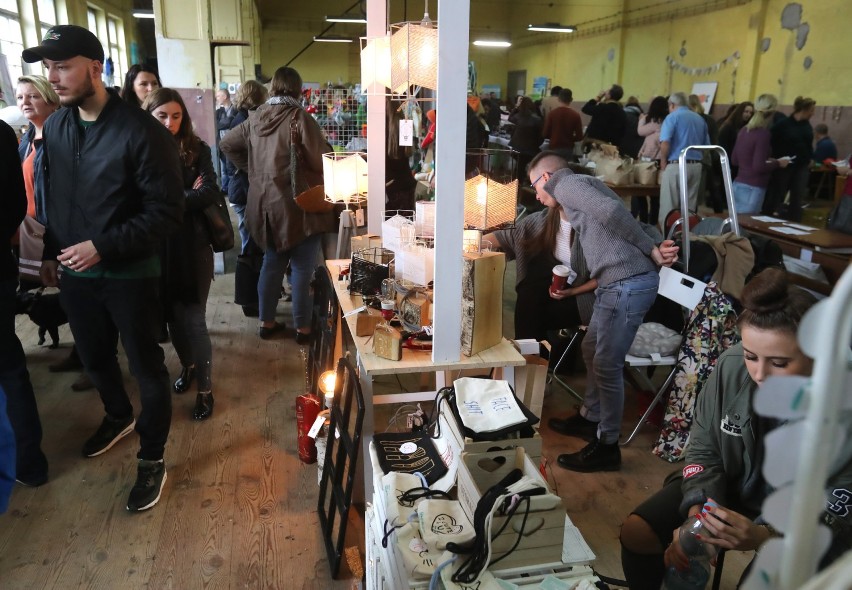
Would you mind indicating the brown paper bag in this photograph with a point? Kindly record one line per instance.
(645, 173)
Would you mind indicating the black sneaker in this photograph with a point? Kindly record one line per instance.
(150, 477)
(575, 425)
(110, 432)
(596, 456)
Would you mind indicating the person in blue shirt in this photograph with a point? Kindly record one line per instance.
(681, 129)
(824, 148)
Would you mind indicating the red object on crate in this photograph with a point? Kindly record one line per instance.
(308, 407)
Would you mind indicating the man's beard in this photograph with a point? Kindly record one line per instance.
(87, 92)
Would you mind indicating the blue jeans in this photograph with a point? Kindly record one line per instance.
(240, 210)
(302, 259)
(619, 310)
(20, 406)
(7, 455)
(748, 199)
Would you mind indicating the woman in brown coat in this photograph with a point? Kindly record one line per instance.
(261, 147)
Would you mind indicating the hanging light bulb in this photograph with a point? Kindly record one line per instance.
(327, 383)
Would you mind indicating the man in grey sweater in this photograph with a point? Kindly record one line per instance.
(625, 261)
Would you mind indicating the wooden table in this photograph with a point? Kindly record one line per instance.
(830, 249)
(503, 356)
(635, 190)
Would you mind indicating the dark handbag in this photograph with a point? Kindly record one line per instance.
(841, 216)
(31, 249)
(368, 269)
(219, 226)
(308, 189)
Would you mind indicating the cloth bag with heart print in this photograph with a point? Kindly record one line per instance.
(444, 521)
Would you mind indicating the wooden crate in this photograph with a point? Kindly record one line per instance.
(447, 420)
(543, 535)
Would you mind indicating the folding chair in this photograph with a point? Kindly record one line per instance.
(688, 292)
(576, 339)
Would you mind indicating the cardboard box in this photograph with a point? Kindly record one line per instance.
(365, 241)
(543, 534)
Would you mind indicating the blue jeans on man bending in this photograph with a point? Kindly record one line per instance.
(619, 310)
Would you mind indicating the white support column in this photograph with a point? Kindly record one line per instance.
(377, 17)
(453, 35)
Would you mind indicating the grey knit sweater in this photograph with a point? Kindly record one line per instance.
(615, 245)
(511, 241)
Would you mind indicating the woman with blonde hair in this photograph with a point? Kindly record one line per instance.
(250, 95)
(37, 101)
(753, 157)
(188, 255)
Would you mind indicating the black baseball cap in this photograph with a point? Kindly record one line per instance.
(64, 42)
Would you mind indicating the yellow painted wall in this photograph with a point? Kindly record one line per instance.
(582, 62)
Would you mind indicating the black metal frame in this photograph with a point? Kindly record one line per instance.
(341, 458)
(323, 328)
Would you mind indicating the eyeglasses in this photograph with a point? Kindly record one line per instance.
(535, 182)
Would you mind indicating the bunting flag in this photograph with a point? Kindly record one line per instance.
(674, 64)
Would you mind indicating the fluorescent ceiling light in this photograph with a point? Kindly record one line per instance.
(142, 13)
(347, 18)
(491, 43)
(552, 28)
(333, 39)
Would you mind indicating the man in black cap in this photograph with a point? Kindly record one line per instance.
(113, 193)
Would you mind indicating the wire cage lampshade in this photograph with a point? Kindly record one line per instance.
(491, 189)
(375, 65)
(414, 56)
(345, 177)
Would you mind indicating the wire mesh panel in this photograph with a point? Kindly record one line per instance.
(342, 114)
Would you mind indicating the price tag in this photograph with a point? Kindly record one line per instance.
(408, 448)
(359, 217)
(315, 427)
(406, 132)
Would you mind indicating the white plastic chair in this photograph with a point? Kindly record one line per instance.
(686, 291)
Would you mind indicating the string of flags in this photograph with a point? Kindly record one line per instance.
(705, 71)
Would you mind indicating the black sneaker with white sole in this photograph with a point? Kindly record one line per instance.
(110, 432)
(150, 478)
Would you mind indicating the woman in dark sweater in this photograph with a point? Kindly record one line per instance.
(188, 255)
(753, 157)
(527, 137)
(792, 136)
(399, 181)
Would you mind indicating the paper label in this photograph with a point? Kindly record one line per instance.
(315, 427)
(359, 217)
(408, 448)
(406, 132)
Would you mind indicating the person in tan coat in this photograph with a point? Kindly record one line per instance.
(288, 235)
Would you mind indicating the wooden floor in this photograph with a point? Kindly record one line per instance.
(239, 508)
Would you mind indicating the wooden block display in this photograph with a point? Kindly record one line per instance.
(482, 301)
(387, 343)
(416, 310)
(366, 322)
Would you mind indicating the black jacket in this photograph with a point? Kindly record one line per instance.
(13, 199)
(118, 183)
(608, 121)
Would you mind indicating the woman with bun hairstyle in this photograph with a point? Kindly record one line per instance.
(726, 449)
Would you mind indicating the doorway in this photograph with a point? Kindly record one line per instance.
(516, 85)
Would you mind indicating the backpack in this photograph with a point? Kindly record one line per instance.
(767, 253)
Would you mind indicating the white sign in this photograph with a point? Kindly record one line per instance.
(706, 92)
(406, 132)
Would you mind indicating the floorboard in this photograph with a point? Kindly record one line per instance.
(239, 508)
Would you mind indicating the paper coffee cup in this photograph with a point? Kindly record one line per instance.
(560, 277)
